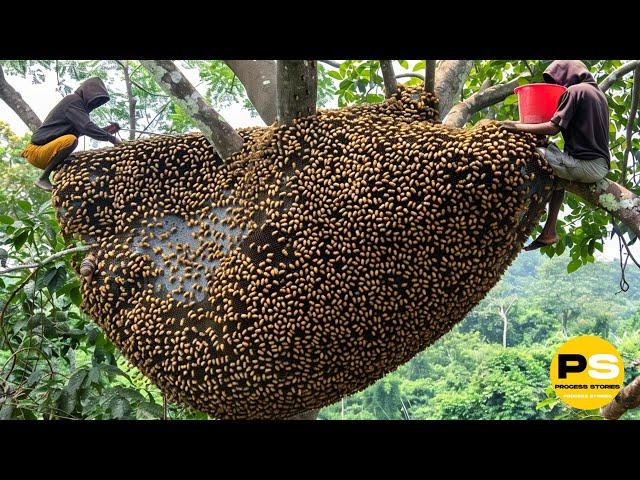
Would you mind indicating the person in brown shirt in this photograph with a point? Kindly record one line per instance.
(54, 141)
(582, 116)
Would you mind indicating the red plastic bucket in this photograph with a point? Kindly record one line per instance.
(537, 102)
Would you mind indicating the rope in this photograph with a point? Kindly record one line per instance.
(624, 286)
(149, 133)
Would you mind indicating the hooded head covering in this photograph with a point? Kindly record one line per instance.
(567, 73)
(93, 93)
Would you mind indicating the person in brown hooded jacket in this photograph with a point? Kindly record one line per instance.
(582, 116)
(52, 143)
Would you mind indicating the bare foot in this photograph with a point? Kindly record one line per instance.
(541, 242)
(44, 184)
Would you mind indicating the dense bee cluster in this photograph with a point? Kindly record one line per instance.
(322, 256)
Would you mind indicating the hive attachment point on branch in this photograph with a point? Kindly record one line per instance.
(222, 136)
(296, 85)
(389, 78)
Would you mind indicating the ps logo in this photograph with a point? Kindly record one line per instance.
(603, 366)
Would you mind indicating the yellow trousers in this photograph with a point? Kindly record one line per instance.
(40, 155)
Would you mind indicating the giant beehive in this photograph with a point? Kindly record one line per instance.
(322, 256)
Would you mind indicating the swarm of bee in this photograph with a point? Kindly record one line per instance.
(322, 256)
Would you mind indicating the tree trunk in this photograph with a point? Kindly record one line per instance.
(259, 80)
(223, 137)
(389, 78)
(505, 323)
(449, 79)
(296, 87)
(131, 100)
(430, 76)
(565, 323)
(627, 399)
(15, 101)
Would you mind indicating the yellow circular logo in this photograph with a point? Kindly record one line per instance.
(587, 372)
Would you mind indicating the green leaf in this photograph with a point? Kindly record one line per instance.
(75, 296)
(546, 402)
(20, 239)
(6, 219)
(24, 205)
(54, 279)
(334, 74)
(119, 407)
(374, 98)
(345, 84)
(149, 411)
(511, 100)
(93, 376)
(403, 63)
(421, 65)
(573, 265)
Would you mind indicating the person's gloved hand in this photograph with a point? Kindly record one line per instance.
(112, 128)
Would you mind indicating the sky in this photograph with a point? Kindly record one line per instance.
(43, 97)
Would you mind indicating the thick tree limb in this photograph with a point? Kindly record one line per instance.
(631, 122)
(131, 99)
(618, 74)
(55, 256)
(296, 87)
(389, 77)
(460, 113)
(621, 203)
(449, 79)
(259, 80)
(223, 137)
(627, 399)
(15, 101)
(430, 76)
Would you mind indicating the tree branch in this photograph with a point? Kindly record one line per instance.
(259, 80)
(215, 128)
(618, 74)
(50, 259)
(630, 122)
(131, 99)
(296, 89)
(621, 203)
(414, 75)
(430, 76)
(449, 79)
(15, 101)
(389, 77)
(331, 63)
(460, 113)
(627, 399)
